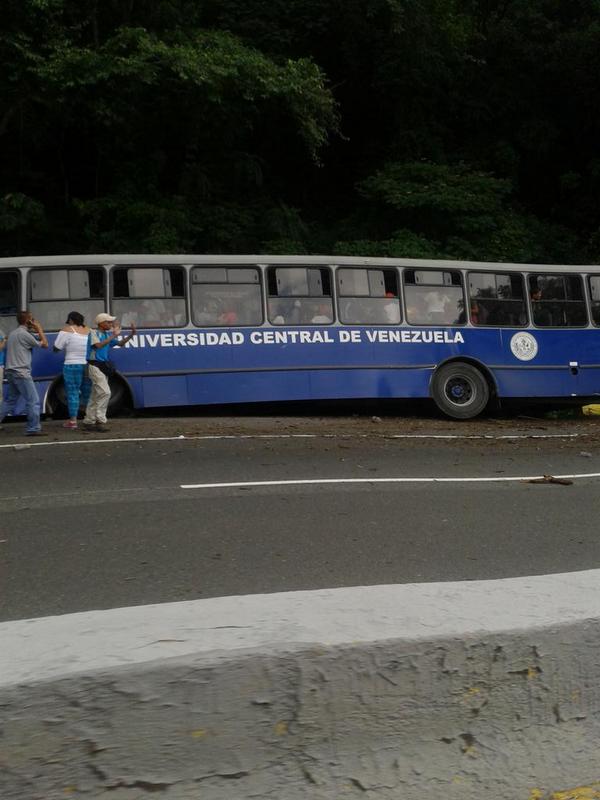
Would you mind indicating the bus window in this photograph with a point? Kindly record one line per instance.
(497, 299)
(149, 297)
(368, 296)
(9, 300)
(557, 301)
(299, 296)
(594, 284)
(434, 297)
(55, 292)
(226, 296)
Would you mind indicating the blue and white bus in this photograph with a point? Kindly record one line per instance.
(248, 329)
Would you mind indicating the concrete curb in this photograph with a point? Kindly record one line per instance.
(453, 690)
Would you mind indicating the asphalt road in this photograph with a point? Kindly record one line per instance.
(99, 524)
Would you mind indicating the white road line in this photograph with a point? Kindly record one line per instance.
(26, 443)
(323, 481)
(298, 482)
(483, 435)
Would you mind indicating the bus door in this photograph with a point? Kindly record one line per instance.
(588, 357)
(558, 309)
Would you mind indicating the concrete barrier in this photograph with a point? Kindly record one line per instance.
(487, 689)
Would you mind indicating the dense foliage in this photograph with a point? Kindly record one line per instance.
(444, 128)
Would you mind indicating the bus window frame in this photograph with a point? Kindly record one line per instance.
(64, 268)
(332, 296)
(398, 297)
(111, 296)
(586, 304)
(227, 267)
(494, 272)
(463, 287)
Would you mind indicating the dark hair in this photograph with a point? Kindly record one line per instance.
(76, 318)
(22, 317)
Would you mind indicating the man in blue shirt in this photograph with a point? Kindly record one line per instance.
(100, 369)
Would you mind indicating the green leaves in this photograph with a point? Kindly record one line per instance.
(210, 68)
(435, 187)
(458, 213)
(398, 127)
(17, 211)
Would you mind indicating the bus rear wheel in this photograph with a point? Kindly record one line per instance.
(120, 399)
(460, 390)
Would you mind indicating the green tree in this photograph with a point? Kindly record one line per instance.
(141, 131)
(444, 211)
(237, 126)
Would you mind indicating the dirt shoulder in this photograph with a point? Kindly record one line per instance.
(583, 432)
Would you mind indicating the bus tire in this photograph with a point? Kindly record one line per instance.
(57, 400)
(460, 390)
(120, 398)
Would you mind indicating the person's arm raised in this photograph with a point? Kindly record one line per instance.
(127, 338)
(40, 332)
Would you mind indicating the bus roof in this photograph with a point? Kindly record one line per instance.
(122, 259)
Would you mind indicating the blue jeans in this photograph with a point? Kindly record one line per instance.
(21, 387)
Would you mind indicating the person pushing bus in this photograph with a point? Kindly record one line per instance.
(100, 369)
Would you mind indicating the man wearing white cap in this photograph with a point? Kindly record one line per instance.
(100, 369)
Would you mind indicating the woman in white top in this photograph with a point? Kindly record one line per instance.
(73, 339)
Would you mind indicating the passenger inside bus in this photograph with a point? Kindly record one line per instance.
(479, 314)
(229, 317)
(155, 314)
(435, 305)
(151, 313)
(208, 313)
(323, 315)
(351, 310)
(287, 311)
(391, 309)
(542, 315)
(415, 311)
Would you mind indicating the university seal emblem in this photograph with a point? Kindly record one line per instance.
(524, 346)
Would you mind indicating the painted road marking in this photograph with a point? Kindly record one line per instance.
(323, 481)
(212, 437)
(294, 482)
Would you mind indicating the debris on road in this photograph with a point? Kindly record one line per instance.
(551, 479)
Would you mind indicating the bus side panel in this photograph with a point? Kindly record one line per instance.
(588, 363)
(164, 390)
(530, 382)
(589, 381)
(137, 390)
(370, 383)
(323, 384)
(550, 372)
(248, 387)
(186, 368)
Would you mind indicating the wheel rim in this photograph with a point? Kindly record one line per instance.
(459, 391)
